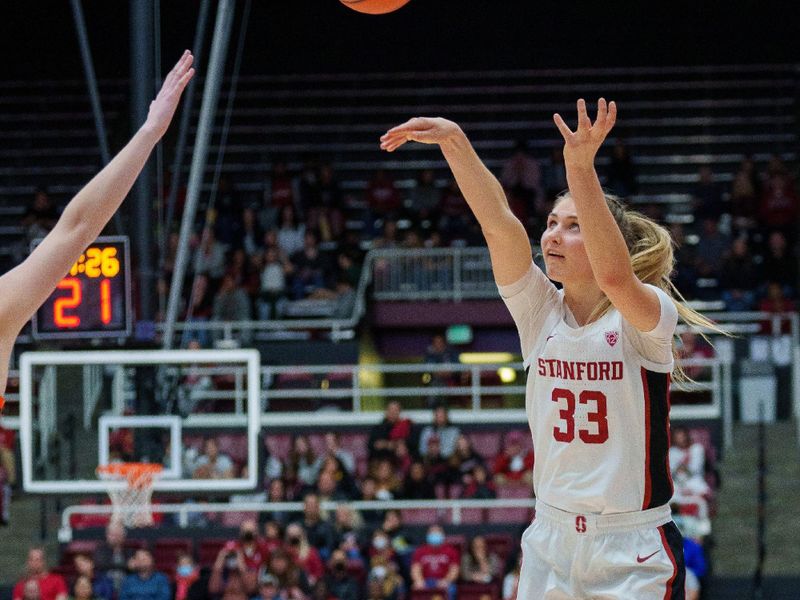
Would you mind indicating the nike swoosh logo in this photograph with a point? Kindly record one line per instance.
(639, 559)
(550, 336)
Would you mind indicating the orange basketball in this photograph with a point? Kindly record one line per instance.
(374, 7)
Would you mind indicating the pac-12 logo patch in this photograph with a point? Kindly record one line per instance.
(612, 337)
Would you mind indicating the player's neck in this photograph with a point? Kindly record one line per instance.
(581, 299)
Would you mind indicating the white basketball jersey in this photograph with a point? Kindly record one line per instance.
(597, 407)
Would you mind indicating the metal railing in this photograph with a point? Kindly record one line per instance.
(443, 507)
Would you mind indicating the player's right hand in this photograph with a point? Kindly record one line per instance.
(163, 107)
(425, 130)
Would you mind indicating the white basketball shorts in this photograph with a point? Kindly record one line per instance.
(568, 556)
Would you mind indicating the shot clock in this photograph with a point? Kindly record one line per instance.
(93, 298)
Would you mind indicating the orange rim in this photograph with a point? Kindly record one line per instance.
(133, 472)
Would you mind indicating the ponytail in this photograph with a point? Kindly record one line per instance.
(651, 250)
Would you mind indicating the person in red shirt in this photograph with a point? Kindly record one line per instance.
(303, 554)
(51, 586)
(8, 471)
(514, 463)
(435, 565)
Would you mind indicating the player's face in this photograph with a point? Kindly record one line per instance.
(565, 256)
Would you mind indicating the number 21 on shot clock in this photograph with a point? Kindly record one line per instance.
(93, 298)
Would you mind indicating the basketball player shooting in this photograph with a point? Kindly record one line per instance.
(24, 288)
(599, 355)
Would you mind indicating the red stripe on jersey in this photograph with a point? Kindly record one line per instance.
(669, 438)
(671, 580)
(648, 483)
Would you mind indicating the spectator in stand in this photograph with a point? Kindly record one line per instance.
(273, 537)
(711, 249)
(776, 302)
(227, 214)
(209, 258)
(439, 352)
(305, 556)
(521, 175)
(82, 589)
(232, 304)
(40, 217)
(51, 586)
(514, 463)
(737, 276)
(387, 482)
(382, 584)
(369, 491)
(145, 583)
(478, 564)
(693, 345)
(231, 578)
(441, 427)
(435, 565)
(252, 235)
(687, 462)
(383, 437)
(480, 487)
(276, 492)
(310, 268)
(744, 194)
(402, 459)
(455, 217)
(778, 208)
(251, 546)
(346, 521)
(381, 195)
(779, 265)
(186, 573)
(100, 585)
(436, 465)
(621, 172)
(685, 274)
(464, 460)
(707, 196)
(8, 471)
(422, 203)
(268, 587)
(511, 581)
(302, 466)
(418, 485)
(333, 447)
(318, 530)
(199, 308)
(293, 582)
(112, 557)
(340, 583)
(381, 552)
(399, 538)
(337, 483)
(324, 213)
(291, 232)
(274, 289)
(212, 464)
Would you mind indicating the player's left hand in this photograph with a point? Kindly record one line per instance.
(580, 146)
(162, 109)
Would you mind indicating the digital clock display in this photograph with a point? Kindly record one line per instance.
(93, 299)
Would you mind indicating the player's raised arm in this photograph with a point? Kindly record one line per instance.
(508, 242)
(27, 286)
(605, 246)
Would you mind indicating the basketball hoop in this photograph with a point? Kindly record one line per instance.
(132, 502)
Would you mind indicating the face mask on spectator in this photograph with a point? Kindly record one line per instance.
(379, 572)
(339, 566)
(231, 563)
(294, 541)
(435, 538)
(184, 570)
(248, 536)
(380, 543)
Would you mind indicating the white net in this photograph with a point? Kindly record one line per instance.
(133, 502)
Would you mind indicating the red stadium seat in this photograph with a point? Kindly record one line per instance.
(428, 595)
(527, 440)
(508, 515)
(235, 518)
(515, 490)
(234, 445)
(470, 516)
(317, 443)
(478, 591)
(486, 443)
(420, 516)
(501, 544)
(279, 445)
(355, 443)
(208, 550)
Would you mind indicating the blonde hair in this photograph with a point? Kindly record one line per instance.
(650, 247)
